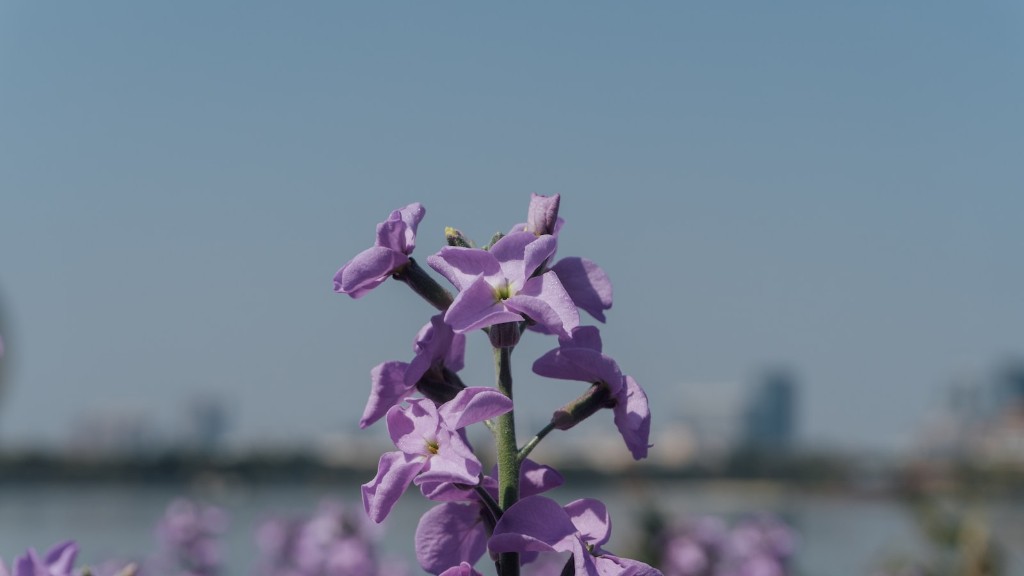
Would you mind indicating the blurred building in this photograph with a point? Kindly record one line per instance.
(769, 420)
(207, 422)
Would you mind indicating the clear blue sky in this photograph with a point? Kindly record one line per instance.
(834, 187)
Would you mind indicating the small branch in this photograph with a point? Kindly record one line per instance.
(508, 452)
(525, 450)
(424, 285)
(490, 504)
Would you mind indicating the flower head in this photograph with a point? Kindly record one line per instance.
(396, 239)
(430, 447)
(58, 561)
(501, 285)
(580, 358)
(539, 524)
(438, 354)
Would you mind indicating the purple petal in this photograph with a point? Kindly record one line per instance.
(369, 269)
(3, 568)
(412, 426)
(537, 478)
(461, 266)
(545, 302)
(586, 283)
(542, 214)
(633, 418)
(395, 472)
(29, 564)
(448, 535)
(584, 562)
(477, 307)
(536, 524)
(588, 337)
(433, 343)
(453, 462)
(510, 252)
(472, 405)
(612, 565)
(398, 232)
(61, 558)
(538, 252)
(591, 519)
(387, 388)
(580, 364)
(463, 569)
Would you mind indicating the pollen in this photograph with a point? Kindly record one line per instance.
(432, 446)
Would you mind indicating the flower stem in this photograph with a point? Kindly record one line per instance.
(492, 507)
(424, 285)
(508, 453)
(525, 451)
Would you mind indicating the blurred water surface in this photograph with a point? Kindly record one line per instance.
(839, 533)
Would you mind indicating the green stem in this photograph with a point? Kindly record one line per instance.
(508, 453)
(525, 451)
(424, 285)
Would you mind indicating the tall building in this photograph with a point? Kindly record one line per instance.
(769, 421)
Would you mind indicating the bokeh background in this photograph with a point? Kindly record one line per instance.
(811, 214)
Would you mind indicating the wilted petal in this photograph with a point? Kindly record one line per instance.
(591, 519)
(586, 283)
(477, 306)
(434, 342)
(411, 426)
(450, 534)
(395, 472)
(367, 270)
(633, 418)
(472, 405)
(461, 266)
(545, 302)
(387, 388)
(398, 232)
(536, 524)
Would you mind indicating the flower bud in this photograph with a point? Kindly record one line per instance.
(595, 398)
(505, 335)
(456, 238)
(543, 214)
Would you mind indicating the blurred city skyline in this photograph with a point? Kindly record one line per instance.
(834, 190)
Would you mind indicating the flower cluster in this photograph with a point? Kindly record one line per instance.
(333, 541)
(188, 535)
(512, 285)
(707, 546)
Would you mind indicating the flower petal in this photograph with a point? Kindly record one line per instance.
(433, 343)
(586, 283)
(453, 462)
(472, 405)
(535, 523)
(450, 534)
(412, 426)
(633, 418)
(477, 307)
(591, 519)
(369, 269)
(580, 364)
(395, 472)
(463, 569)
(545, 302)
(542, 214)
(387, 388)
(535, 478)
(461, 266)
(538, 252)
(61, 558)
(510, 252)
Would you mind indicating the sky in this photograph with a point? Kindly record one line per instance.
(834, 188)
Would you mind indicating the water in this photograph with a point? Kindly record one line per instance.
(839, 534)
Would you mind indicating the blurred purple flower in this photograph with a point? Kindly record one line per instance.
(499, 285)
(430, 447)
(396, 239)
(188, 533)
(438, 353)
(58, 561)
(463, 569)
(580, 358)
(539, 524)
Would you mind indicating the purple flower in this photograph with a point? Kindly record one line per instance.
(456, 531)
(439, 353)
(396, 239)
(539, 524)
(430, 447)
(59, 561)
(463, 569)
(584, 281)
(500, 285)
(580, 358)
(189, 532)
